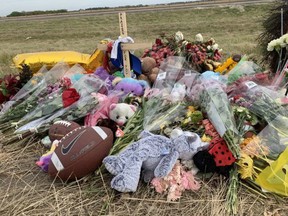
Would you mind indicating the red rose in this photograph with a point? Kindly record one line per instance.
(159, 42)
(69, 96)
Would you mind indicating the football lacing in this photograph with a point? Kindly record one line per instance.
(62, 122)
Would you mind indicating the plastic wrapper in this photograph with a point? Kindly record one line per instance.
(171, 70)
(167, 104)
(215, 103)
(26, 90)
(262, 101)
(274, 178)
(86, 85)
(262, 79)
(76, 111)
(30, 103)
(242, 69)
(200, 82)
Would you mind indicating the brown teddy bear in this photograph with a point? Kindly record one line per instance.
(149, 70)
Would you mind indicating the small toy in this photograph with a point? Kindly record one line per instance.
(121, 112)
(101, 111)
(45, 159)
(130, 86)
(149, 70)
(156, 153)
(105, 76)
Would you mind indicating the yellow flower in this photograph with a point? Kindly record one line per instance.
(205, 138)
(191, 109)
(252, 147)
(246, 169)
(34, 82)
(186, 121)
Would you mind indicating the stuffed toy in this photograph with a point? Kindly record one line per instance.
(45, 159)
(157, 153)
(105, 76)
(121, 112)
(149, 70)
(101, 111)
(130, 86)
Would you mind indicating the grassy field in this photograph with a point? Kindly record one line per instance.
(235, 29)
(25, 190)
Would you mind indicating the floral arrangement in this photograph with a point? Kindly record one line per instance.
(10, 84)
(200, 55)
(178, 180)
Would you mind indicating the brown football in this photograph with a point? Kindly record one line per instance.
(80, 152)
(60, 128)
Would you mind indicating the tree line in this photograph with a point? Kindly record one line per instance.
(38, 12)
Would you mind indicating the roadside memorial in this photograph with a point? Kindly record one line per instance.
(201, 114)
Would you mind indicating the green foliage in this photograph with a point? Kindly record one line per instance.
(272, 30)
(38, 12)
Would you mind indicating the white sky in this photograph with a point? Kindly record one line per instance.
(8, 6)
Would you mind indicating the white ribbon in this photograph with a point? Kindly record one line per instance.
(114, 51)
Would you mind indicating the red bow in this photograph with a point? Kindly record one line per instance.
(69, 96)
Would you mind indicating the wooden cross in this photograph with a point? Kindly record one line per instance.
(126, 47)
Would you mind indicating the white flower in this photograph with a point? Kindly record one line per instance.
(284, 40)
(215, 46)
(274, 44)
(199, 38)
(179, 36)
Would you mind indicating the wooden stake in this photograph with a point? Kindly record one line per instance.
(123, 34)
(126, 47)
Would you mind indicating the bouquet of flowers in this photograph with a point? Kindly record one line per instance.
(16, 112)
(242, 69)
(63, 97)
(167, 103)
(200, 55)
(215, 103)
(260, 100)
(10, 84)
(25, 91)
(74, 112)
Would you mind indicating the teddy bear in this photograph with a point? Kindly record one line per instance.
(130, 86)
(157, 153)
(149, 70)
(121, 112)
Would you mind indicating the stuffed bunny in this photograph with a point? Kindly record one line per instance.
(157, 153)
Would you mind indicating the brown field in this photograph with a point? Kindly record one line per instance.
(26, 190)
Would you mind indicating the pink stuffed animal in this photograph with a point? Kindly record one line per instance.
(101, 111)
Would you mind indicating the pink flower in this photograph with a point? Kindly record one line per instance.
(189, 182)
(174, 193)
(65, 82)
(159, 184)
(177, 181)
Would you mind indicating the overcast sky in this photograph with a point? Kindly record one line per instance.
(8, 6)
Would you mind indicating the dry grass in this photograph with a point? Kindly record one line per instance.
(25, 190)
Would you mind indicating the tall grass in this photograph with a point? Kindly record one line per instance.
(235, 29)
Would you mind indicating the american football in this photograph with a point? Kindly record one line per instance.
(80, 152)
(60, 128)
